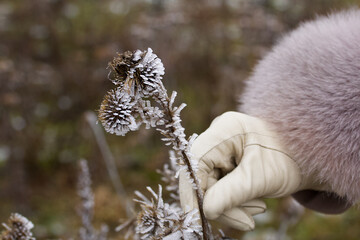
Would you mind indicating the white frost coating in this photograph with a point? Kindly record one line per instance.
(150, 116)
(19, 227)
(188, 227)
(169, 175)
(116, 112)
(137, 55)
(172, 98)
(27, 223)
(164, 221)
(155, 215)
(151, 70)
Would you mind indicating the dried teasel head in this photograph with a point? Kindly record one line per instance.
(140, 72)
(116, 112)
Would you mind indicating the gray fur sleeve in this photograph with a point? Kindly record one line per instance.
(308, 88)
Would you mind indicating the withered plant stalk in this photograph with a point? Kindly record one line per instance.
(207, 235)
(141, 98)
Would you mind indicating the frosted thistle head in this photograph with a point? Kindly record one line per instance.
(139, 72)
(18, 227)
(116, 112)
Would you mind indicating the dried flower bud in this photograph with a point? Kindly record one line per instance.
(116, 112)
(18, 227)
(139, 71)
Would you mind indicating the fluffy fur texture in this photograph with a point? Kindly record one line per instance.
(308, 88)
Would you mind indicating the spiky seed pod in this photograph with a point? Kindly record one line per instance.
(139, 71)
(17, 228)
(116, 112)
(147, 224)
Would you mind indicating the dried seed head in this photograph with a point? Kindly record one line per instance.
(139, 71)
(18, 227)
(116, 112)
(156, 218)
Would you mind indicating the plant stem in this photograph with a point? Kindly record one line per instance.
(207, 235)
(199, 195)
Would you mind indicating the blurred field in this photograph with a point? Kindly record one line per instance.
(53, 59)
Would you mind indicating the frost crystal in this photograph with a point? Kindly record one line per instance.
(169, 176)
(150, 116)
(116, 112)
(174, 132)
(139, 71)
(18, 227)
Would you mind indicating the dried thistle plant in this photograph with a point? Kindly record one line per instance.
(17, 228)
(141, 98)
(86, 210)
(139, 71)
(160, 220)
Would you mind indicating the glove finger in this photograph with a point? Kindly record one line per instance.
(219, 146)
(208, 179)
(225, 155)
(254, 207)
(254, 178)
(237, 218)
(241, 217)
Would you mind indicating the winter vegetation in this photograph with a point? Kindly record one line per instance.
(18, 227)
(140, 98)
(138, 76)
(53, 58)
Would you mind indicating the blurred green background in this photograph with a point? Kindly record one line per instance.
(53, 60)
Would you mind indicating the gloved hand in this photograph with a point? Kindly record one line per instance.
(240, 161)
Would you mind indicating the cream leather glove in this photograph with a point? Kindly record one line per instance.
(240, 160)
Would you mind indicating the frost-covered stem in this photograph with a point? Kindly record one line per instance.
(199, 197)
(207, 235)
(86, 211)
(87, 201)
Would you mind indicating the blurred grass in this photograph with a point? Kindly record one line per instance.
(53, 59)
